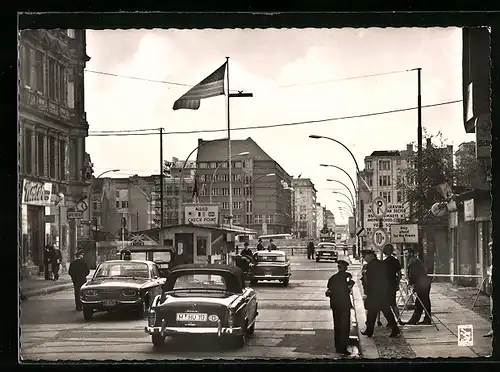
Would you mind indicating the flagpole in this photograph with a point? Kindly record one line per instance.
(229, 150)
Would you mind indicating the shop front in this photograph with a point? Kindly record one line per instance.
(35, 200)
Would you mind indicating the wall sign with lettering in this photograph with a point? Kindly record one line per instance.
(36, 193)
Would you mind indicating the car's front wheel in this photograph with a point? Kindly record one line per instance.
(158, 340)
(285, 282)
(88, 313)
(143, 309)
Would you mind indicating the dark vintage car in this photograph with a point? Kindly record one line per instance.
(163, 256)
(271, 265)
(326, 251)
(121, 285)
(210, 299)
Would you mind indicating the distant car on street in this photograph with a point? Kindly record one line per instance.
(326, 251)
(121, 285)
(271, 265)
(210, 299)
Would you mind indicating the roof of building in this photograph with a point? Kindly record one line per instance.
(386, 153)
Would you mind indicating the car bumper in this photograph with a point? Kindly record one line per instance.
(178, 331)
(119, 304)
(324, 257)
(271, 277)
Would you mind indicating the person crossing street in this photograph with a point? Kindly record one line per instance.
(338, 290)
(78, 271)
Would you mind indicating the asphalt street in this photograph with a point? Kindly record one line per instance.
(293, 322)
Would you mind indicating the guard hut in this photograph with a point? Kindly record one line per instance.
(201, 238)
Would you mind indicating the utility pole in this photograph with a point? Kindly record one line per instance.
(419, 135)
(161, 177)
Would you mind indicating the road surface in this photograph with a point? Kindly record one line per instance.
(293, 322)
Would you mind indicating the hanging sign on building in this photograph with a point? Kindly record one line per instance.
(469, 210)
(201, 214)
(36, 193)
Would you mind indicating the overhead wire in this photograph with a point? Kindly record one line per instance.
(140, 132)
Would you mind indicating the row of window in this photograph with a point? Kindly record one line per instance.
(385, 180)
(47, 156)
(43, 73)
(224, 191)
(235, 164)
(383, 164)
(387, 196)
(225, 178)
(238, 205)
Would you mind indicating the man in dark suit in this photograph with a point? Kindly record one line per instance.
(375, 294)
(78, 271)
(421, 283)
(393, 267)
(339, 288)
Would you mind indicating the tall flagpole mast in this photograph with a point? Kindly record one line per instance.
(229, 150)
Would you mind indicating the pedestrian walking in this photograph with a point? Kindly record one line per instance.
(345, 249)
(47, 261)
(272, 246)
(375, 295)
(393, 267)
(78, 271)
(310, 250)
(260, 246)
(490, 281)
(421, 283)
(338, 290)
(56, 262)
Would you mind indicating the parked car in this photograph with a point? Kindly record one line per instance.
(210, 299)
(121, 285)
(326, 251)
(271, 265)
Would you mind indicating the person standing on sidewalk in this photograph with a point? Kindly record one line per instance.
(393, 267)
(47, 261)
(78, 271)
(490, 280)
(421, 283)
(56, 262)
(310, 250)
(338, 290)
(375, 295)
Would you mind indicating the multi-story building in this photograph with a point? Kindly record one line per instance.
(261, 200)
(52, 132)
(330, 220)
(320, 221)
(305, 207)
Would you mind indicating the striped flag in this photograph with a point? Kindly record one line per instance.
(211, 86)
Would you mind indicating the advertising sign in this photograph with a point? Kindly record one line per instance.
(407, 233)
(36, 193)
(469, 210)
(201, 214)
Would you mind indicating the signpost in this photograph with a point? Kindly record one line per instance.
(201, 214)
(407, 233)
(379, 237)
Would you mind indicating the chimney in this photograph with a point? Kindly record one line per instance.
(409, 147)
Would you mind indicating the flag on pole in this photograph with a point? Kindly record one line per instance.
(211, 86)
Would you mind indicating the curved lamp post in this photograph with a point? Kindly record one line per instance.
(218, 167)
(350, 207)
(343, 184)
(334, 166)
(346, 196)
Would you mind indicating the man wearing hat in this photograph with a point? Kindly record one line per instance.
(260, 246)
(78, 271)
(421, 283)
(393, 277)
(127, 255)
(338, 289)
(246, 251)
(375, 289)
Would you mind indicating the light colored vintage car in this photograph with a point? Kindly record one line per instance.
(210, 299)
(271, 265)
(121, 285)
(326, 251)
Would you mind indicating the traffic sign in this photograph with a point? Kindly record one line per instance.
(360, 231)
(404, 233)
(379, 237)
(72, 215)
(379, 207)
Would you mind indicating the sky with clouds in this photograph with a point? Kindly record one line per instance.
(294, 75)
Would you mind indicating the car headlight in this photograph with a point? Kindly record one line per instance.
(152, 318)
(91, 293)
(130, 292)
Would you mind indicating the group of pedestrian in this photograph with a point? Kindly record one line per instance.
(52, 259)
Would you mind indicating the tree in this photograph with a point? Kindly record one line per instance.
(437, 167)
(469, 171)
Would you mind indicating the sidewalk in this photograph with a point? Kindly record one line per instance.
(449, 311)
(38, 286)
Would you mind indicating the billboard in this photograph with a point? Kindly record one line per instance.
(201, 214)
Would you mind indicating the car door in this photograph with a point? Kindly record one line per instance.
(250, 300)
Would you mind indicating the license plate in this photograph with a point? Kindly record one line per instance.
(191, 317)
(109, 303)
(269, 274)
(327, 254)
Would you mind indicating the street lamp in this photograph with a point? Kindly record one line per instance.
(343, 184)
(344, 195)
(343, 202)
(216, 169)
(334, 166)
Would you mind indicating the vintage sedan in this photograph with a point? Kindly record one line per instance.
(326, 251)
(210, 299)
(271, 265)
(121, 285)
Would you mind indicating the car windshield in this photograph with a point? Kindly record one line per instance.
(326, 246)
(270, 258)
(122, 269)
(200, 281)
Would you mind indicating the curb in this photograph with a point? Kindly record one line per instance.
(47, 290)
(367, 347)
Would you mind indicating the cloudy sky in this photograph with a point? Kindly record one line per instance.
(295, 76)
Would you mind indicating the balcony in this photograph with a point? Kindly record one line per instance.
(40, 102)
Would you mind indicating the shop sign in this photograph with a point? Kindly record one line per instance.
(36, 193)
(469, 210)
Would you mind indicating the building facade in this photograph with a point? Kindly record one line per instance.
(330, 220)
(305, 223)
(261, 194)
(52, 132)
(320, 221)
